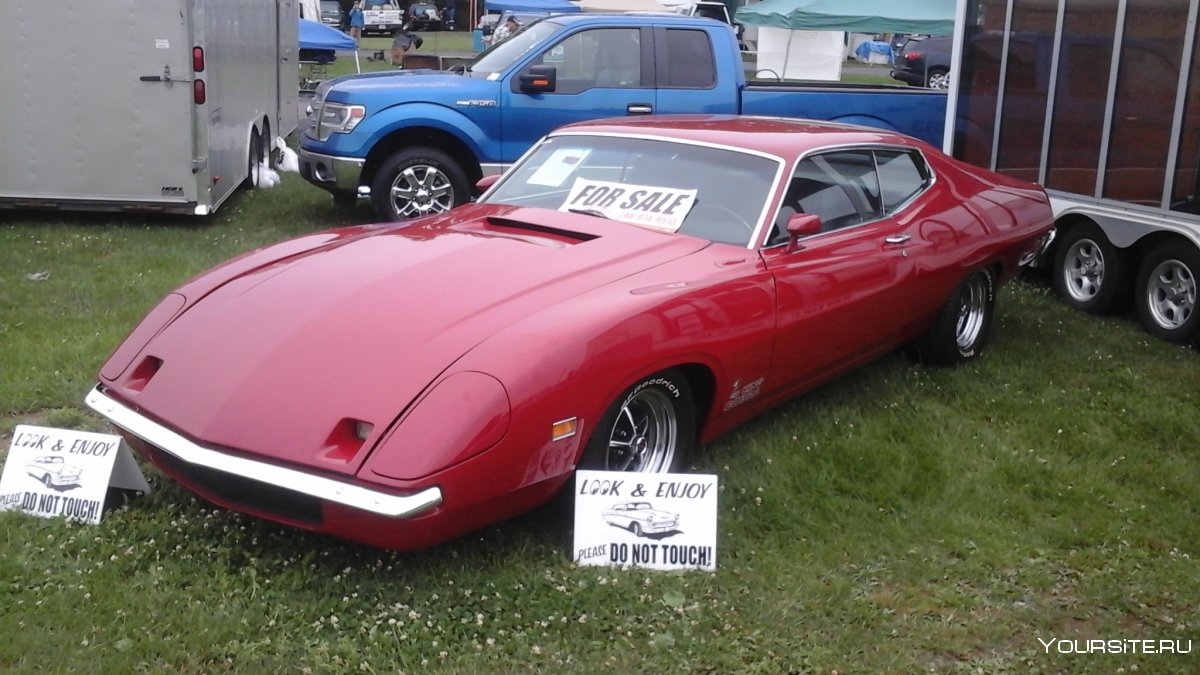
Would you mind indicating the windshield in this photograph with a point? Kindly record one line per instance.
(501, 55)
(713, 193)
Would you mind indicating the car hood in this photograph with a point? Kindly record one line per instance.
(382, 89)
(274, 360)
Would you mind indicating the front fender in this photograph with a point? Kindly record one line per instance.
(404, 117)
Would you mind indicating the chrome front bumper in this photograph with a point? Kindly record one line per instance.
(328, 489)
(329, 172)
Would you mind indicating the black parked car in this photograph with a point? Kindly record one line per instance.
(924, 63)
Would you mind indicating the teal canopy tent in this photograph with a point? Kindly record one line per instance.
(933, 17)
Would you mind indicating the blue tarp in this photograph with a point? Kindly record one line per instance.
(314, 35)
(549, 6)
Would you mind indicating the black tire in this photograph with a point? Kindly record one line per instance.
(1089, 272)
(1166, 292)
(636, 529)
(937, 78)
(651, 427)
(418, 182)
(961, 328)
(254, 161)
(46, 480)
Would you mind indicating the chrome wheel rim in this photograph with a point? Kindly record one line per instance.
(939, 81)
(644, 434)
(421, 190)
(1171, 294)
(1083, 270)
(971, 313)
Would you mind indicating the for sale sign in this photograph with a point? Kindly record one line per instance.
(653, 521)
(61, 472)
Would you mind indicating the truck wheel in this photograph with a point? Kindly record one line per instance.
(418, 182)
(1166, 292)
(961, 327)
(1088, 270)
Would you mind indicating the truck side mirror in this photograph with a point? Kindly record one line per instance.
(539, 79)
(801, 225)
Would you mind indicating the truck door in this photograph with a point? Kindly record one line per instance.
(600, 72)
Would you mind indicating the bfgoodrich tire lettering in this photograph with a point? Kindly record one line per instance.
(418, 182)
(1166, 292)
(651, 427)
(961, 328)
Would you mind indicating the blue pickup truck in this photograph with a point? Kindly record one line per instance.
(417, 141)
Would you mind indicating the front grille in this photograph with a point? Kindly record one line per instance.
(245, 492)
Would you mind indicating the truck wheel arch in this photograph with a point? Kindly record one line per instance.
(421, 136)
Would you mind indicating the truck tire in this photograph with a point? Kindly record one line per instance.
(1089, 272)
(418, 182)
(1167, 291)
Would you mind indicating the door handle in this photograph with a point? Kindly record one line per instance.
(639, 109)
(898, 239)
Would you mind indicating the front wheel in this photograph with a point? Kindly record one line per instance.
(1088, 270)
(961, 328)
(418, 182)
(1166, 292)
(650, 428)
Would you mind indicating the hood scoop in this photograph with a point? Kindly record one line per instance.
(533, 233)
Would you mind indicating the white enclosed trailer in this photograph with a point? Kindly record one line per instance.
(1099, 101)
(154, 105)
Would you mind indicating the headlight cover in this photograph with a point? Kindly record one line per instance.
(338, 118)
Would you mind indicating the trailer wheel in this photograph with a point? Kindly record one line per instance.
(418, 182)
(1167, 290)
(1089, 271)
(254, 161)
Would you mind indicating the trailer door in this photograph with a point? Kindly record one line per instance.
(106, 116)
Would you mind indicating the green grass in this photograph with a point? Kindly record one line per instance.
(901, 519)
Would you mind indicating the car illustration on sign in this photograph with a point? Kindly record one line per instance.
(640, 518)
(629, 289)
(52, 471)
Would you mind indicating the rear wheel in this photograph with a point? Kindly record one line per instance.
(937, 78)
(650, 428)
(1167, 290)
(418, 182)
(962, 326)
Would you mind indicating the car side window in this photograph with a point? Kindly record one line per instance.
(840, 187)
(601, 57)
(689, 59)
(901, 176)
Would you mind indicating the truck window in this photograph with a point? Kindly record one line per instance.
(689, 59)
(601, 57)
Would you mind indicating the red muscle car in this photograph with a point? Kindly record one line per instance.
(629, 289)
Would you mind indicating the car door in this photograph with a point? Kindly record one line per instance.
(600, 72)
(841, 293)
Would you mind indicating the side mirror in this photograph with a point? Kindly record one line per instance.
(486, 182)
(801, 225)
(539, 79)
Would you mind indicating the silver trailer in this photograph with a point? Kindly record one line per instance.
(1099, 101)
(149, 105)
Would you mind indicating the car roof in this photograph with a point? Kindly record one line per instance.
(664, 17)
(770, 135)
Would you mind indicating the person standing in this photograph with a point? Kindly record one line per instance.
(356, 21)
(449, 13)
